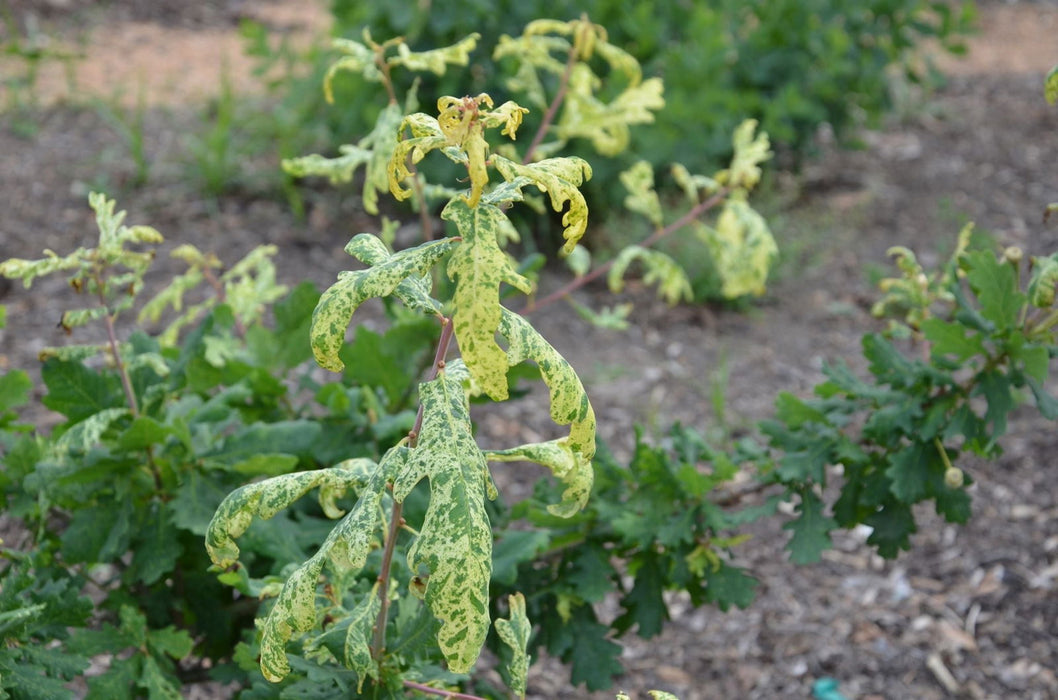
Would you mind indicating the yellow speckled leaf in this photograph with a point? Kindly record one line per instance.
(264, 499)
(639, 181)
(661, 269)
(345, 549)
(358, 58)
(390, 274)
(750, 151)
(568, 466)
(358, 638)
(479, 266)
(561, 178)
(373, 151)
(743, 248)
(569, 401)
(294, 611)
(435, 60)
(455, 542)
(515, 633)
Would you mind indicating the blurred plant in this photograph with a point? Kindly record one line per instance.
(129, 126)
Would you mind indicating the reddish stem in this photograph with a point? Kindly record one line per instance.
(440, 691)
(552, 109)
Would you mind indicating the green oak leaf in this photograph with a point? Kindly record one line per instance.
(811, 530)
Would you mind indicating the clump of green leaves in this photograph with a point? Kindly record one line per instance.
(985, 329)
(151, 433)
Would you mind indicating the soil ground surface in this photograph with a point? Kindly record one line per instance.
(970, 612)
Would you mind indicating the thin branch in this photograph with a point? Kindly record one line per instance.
(552, 110)
(440, 691)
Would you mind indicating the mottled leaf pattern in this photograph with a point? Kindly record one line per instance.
(455, 543)
(346, 548)
(294, 612)
(479, 266)
(561, 178)
(568, 466)
(435, 60)
(373, 151)
(358, 58)
(641, 198)
(662, 270)
(358, 638)
(569, 401)
(515, 633)
(606, 124)
(392, 274)
(750, 151)
(264, 499)
(426, 136)
(1043, 281)
(743, 248)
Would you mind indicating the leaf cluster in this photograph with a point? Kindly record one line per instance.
(984, 330)
(789, 64)
(118, 494)
(659, 524)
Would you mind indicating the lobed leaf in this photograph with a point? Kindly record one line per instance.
(358, 638)
(693, 185)
(569, 401)
(294, 611)
(607, 124)
(346, 549)
(264, 499)
(743, 248)
(750, 151)
(455, 542)
(426, 136)
(515, 633)
(642, 199)
(389, 274)
(661, 269)
(561, 178)
(358, 58)
(1044, 278)
(568, 466)
(995, 283)
(374, 152)
(435, 60)
(811, 530)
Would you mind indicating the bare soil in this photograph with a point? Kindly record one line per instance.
(970, 612)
